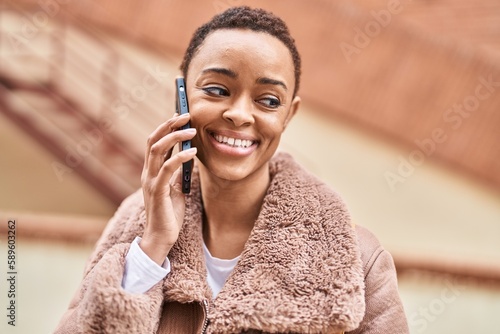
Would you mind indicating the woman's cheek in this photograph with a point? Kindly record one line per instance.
(271, 124)
(197, 114)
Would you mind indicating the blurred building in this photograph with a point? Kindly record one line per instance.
(401, 110)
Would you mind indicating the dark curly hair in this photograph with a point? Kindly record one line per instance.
(244, 17)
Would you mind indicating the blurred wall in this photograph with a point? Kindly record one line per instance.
(29, 183)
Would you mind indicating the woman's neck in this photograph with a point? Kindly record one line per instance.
(230, 210)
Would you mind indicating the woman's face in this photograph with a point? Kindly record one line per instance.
(240, 86)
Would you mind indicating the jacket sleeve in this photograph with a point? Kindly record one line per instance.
(384, 310)
(101, 305)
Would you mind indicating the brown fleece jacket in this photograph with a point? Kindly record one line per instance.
(303, 270)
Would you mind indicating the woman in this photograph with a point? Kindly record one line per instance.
(259, 245)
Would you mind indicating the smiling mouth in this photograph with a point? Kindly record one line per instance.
(233, 142)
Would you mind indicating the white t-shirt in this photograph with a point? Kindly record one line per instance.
(218, 270)
(141, 273)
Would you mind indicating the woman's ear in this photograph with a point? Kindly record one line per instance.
(293, 110)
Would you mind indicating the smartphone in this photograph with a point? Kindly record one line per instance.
(182, 107)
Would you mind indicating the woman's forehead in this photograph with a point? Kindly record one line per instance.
(243, 47)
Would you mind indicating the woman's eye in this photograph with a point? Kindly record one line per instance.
(218, 91)
(270, 102)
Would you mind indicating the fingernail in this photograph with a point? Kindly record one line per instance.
(190, 130)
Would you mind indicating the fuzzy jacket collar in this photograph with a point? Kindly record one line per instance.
(300, 270)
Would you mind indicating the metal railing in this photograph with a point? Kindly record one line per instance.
(85, 79)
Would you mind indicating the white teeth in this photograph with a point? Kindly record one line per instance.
(233, 142)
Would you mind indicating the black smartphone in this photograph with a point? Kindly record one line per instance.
(182, 107)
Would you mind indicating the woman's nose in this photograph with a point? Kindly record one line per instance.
(240, 113)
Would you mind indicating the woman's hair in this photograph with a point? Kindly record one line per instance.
(244, 17)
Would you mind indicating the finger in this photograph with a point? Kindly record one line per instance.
(170, 167)
(163, 148)
(176, 181)
(165, 128)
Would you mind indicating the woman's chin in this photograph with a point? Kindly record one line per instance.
(225, 172)
(232, 172)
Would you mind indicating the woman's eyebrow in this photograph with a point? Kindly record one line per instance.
(221, 70)
(269, 81)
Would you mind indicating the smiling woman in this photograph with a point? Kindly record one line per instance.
(259, 245)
